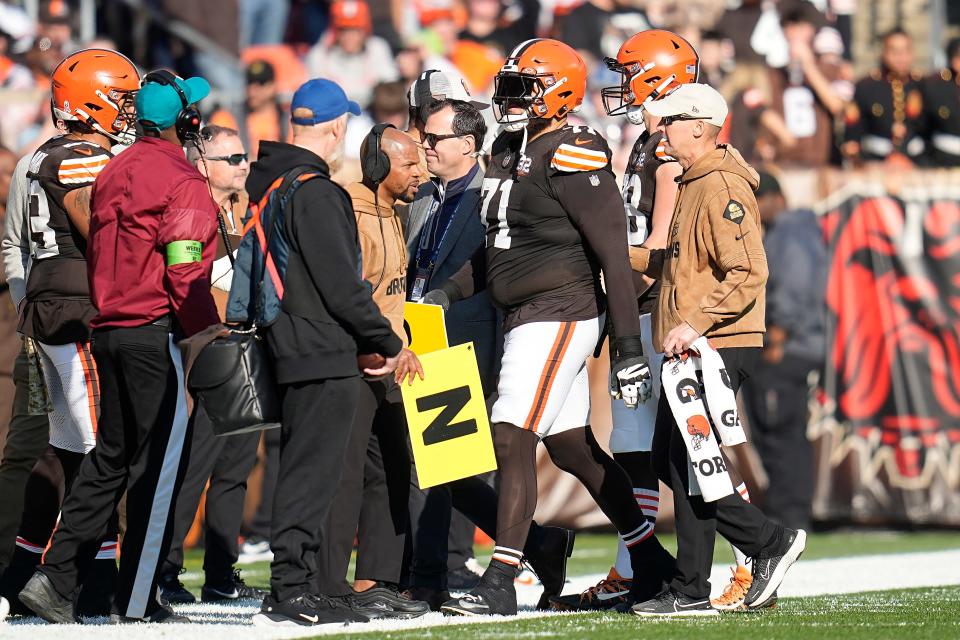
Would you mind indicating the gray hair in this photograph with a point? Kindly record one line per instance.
(210, 133)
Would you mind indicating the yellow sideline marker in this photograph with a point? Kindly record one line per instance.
(425, 327)
(447, 418)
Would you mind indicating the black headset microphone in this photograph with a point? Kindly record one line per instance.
(375, 165)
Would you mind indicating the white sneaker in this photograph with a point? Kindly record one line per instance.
(4, 609)
(255, 549)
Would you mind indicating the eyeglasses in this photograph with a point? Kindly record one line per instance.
(233, 160)
(431, 139)
(668, 120)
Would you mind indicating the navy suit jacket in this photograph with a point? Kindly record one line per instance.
(474, 319)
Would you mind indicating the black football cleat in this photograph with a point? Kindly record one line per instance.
(495, 595)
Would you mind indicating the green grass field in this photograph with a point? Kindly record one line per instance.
(932, 614)
(594, 552)
(909, 613)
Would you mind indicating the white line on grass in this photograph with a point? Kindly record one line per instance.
(233, 621)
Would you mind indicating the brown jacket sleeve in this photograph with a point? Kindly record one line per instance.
(647, 261)
(731, 229)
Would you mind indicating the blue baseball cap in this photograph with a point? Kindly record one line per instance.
(159, 103)
(325, 99)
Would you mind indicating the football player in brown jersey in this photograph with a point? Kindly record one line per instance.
(554, 219)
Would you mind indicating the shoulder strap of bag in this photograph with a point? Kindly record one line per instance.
(284, 186)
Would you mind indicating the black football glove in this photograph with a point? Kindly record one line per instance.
(630, 378)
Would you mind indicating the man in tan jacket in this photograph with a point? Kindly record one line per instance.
(371, 500)
(712, 275)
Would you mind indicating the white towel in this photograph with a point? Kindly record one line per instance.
(686, 381)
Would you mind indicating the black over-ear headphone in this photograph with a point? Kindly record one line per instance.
(375, 163)
(188, 119)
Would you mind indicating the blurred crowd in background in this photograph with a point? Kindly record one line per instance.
(811, 84)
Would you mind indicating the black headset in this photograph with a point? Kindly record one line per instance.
(375, 164)
(188, 118)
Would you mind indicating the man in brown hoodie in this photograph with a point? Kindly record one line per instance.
(372, 497)
(712, 276)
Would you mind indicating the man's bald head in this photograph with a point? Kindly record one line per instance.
(404, 177)
(393, 142)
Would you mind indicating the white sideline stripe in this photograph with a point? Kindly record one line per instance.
(233, 621)
(143, 586)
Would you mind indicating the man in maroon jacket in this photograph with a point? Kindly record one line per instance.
(151, 248)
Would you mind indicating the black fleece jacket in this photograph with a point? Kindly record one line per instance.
(327, 312)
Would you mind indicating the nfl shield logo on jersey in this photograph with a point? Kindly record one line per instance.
(595, 181)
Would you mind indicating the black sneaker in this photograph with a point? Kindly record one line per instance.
(306, 610)
(549, 561)
(670, 603)
(233, 588)
(462, 579)
(770, 569)
(172, 590)
(495, 595)
(40, 596)
(433, 597)
(385, 601)
(164, 615)
(609, 593)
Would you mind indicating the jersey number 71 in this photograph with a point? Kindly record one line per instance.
(490, 187)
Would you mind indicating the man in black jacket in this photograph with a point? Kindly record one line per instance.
(327, 314)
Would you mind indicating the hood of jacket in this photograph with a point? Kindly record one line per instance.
(276, 158)
(724, 158)
(364, 203)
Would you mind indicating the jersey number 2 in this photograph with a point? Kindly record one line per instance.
(490, 186)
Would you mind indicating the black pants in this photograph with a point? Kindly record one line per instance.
(226, 462)
(371, 502)
(260, 523)
(698, 522)
(431, 513)
(141, 439)
(776, 400)
(317, 416)
(27, 439)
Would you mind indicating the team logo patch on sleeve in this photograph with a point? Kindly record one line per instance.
(570, 158)
(734, 212)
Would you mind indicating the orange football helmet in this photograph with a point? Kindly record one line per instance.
(96, 87)
(544, 78)
(652, 64)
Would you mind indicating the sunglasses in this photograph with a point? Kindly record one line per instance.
(668, 120)
(233, 160)
(431, 139)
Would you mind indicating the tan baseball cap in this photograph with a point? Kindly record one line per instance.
(700, 101)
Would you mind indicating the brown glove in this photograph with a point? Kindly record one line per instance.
(191, 347)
